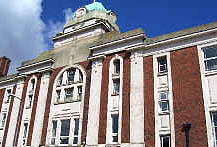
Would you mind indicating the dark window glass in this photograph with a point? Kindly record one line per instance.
(76, 127)
(114, 123)
(65, 127)
(162, 64)
(165, 141)
(117, 66)
(210, 52)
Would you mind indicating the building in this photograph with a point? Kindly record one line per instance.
(98, 87)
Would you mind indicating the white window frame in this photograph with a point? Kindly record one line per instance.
(209, 58)
(30, 92)
(162, 65)
(162, 137)
(3, 122)
(213, 128)
(7, 95)
(166, 100)
(24, 138)
(60, 86)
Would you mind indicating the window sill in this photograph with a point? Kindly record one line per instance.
(115, 94)
(212, 72)
(162, 73)
(164, 113)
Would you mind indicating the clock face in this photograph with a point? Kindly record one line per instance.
(80, 12)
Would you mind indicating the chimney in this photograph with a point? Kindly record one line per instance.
(4, 66)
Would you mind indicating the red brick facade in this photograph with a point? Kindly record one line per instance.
(188, 97)
(149, 117)
(8, 118)
(104, 101)
(125, 130)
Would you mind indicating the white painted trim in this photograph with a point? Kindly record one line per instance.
(117, 41)
(109, 105)
(71, 116)
(35, 64)
(136, 100)
(94, 103)
(208, 107)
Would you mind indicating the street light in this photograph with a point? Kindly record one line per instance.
(186, 127)
(14, 96)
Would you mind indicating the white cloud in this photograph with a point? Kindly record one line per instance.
(55, 27)
(21, 30)
(23, 34)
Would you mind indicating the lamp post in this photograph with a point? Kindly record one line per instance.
(14, 96)
(186, 127)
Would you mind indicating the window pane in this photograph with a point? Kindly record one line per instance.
(25, 130)
(3, 119)
(114, 123)
(116, 84)
(210, 52)
(71, 75)
(117, 66)
(64, 140)
(76, 127)
(163, 95)
(75, 141)
(52, 141)
(115, 138)
(162, 64)
(164, 106)
(65, 126)
(166, 142)
(54, 128)
(211, 64)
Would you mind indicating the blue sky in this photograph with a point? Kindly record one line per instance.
(27, 25)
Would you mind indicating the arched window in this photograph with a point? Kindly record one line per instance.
(114, 100)
(66, 111)
(69, 87)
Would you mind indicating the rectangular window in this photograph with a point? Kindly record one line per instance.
(163, 102)
(214, 127)
(76, 129)
(8, 96)
(210, 58)
(53, 135)
(3, 120)
(162, 64)
(64, 134)
(115, 119)
(165, 141)
(25, 133)
(116, 86)
(58, 94)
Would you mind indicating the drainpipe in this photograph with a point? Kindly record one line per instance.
(186, 127)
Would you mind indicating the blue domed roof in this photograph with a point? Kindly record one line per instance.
(96, 6)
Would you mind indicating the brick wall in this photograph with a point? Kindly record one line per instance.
(149, 125)
(125, 132)
(188, 97)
